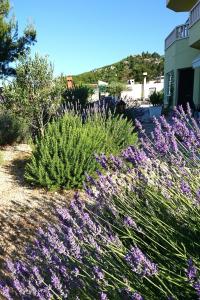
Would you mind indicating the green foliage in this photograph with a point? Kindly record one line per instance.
(61, 83)
(115, 88)
(156, 98)
(130, 67)
(11, 45)
(77, 94)
(66, 152)
(12, 129)
(33, 94)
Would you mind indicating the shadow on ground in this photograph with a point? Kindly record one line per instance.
(17, 170)
(23, 210)
(19, 225)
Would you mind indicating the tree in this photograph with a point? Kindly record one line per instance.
(115, 88)
(11, 45)
(78, 94)
(33, 94)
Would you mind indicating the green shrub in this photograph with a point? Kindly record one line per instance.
(77, 95)
(12, 129)
(156, 98)
(66, 152)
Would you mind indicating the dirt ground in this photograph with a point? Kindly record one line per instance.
(23, 209)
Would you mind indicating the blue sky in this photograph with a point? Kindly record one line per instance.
(80, 35)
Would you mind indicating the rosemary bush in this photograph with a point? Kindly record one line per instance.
(66, 152)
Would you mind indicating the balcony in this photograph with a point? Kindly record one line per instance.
(180, 32)
(190, 30)
(181, 5)
(195, 14)
(194, 27)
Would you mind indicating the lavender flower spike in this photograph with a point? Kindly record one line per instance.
(191, 270)
(139, 263)
(103, 296)
(137, 296)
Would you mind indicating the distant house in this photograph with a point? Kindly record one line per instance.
(182, 56)
(133, 90)
(143, 90)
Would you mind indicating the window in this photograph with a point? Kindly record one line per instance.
(170, 83)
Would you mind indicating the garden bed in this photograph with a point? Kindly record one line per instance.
(23, 209)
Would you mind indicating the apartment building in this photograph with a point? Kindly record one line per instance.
(182, 57)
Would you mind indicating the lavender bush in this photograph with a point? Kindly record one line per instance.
(137, 236)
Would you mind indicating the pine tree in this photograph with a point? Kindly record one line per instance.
(11, 45)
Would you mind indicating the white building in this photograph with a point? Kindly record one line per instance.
(142, 90)
(134, 90)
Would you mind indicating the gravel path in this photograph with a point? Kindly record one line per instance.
(22, 208)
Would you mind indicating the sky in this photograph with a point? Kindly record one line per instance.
(81, 35)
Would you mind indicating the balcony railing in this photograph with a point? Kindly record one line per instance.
(179, 32)
(195, 14)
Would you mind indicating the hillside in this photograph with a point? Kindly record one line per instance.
(131, 67)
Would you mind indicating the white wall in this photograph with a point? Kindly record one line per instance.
(94, 96)
(136, 89)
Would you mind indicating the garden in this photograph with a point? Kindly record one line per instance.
(131, 230)
(102, 209)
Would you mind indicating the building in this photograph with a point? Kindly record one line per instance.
(182, 57)
(143, 90)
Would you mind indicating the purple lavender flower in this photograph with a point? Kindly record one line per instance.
(136, 156)
(174, 143)
(136, 296)
(191, 271)
(5, 292)
(37, 274)
(102, 160)
(138, 125)
(128, 294)
(139, 263)
(98, 273)
(103, 296)
(90, 179)
(61, 253)
(11, 266)
(165, 124)
(128, 221)
(196, 286)
(56, 283)
(198, 196)
(185, 188)
(189, 112)
(76, 272)
(19, 286)
(64, 214)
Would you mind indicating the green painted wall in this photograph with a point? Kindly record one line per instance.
(178, 56)
(194, 35)
(196, 95)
